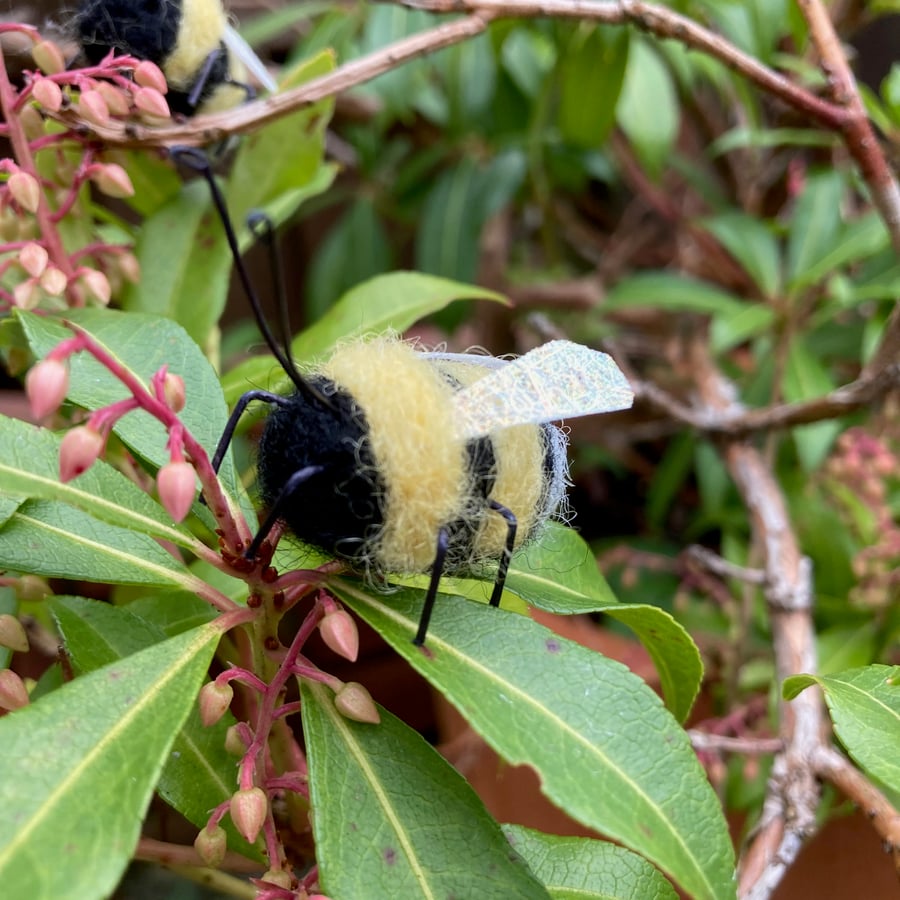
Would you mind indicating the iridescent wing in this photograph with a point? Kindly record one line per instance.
(559, 380)
(252, 63)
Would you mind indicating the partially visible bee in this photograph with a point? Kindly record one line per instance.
(204, 60)
(401, 461)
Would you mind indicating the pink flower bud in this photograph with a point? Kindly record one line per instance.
(46, 386)
(48, 57)
(214, 701)
(79, 451)
(32, 589)
(210, 845)
(33, 259)
(25, 190)
(149, 75)
(176, 486)
(54, 281)
(130, 267)
(12, 634)
(151, 103)
(26, 294)
(339, 631)
(48, 94)
(278, 877)
(93, 108)
(32, 123)
(112, 180)
(13, 694)
(235, 745)
(117, 101)
(354, 702)
(97, 285)
(173, 391)
(248, 812)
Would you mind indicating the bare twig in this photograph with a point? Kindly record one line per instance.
(832, 766)
(793, 792)
(722, 567)
(750, 746)
(738, 422)
(203, 130)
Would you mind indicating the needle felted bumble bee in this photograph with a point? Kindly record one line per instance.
(397, 460)
(204, 60)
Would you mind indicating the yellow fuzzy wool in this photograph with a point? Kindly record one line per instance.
(199, 34)
(519, 486)
(408, 406)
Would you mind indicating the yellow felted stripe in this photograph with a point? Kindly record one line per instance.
(519, 487)
(408, 407)
(202, 27)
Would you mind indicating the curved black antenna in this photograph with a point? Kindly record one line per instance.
(263, 230)
(197, 160)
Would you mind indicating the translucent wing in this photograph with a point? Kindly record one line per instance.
(253, 64)
(559, 380)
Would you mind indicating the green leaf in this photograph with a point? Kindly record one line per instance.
(648, 109)
(393, 819)
(591, 73)
(29, 462)
(805, 379)
(859, 239)
(865, 708)
(199, 774)
(388, 302)
(576, 868)
(143, 344)
(814, 225)
(603, 745)
(663, 290)
(752, 244)
(735, 327)
(53, 539)
(81, 765)
(559, 574)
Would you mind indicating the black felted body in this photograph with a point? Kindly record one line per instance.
(340, 509)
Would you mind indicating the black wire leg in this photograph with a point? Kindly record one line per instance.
(275, 513)
(511, 527)
(437, 569)
(236, 413)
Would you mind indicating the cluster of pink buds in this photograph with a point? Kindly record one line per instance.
(46, 386)
(117, 87)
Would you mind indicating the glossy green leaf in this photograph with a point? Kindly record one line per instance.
(648, 109)
(81, 764)
(815, 224)
(805, 379)
(53, 539)
(8, 506)
(737, 326)
(198, 773)
(865, 709)
(605, 748)
(29, 462)
(392, 818)
(143, 344)
(591, 74)
(859, 239)
(576, 868)
(527, 56)
(559, 574)
(663, 290)
(387, 302)
(752, 244)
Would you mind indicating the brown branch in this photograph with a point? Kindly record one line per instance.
(854, 125)
(735, 421)
(793, 792)
(837, 769)
(660, 22)
(714, 563)
(750, 746)
(203, 130)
